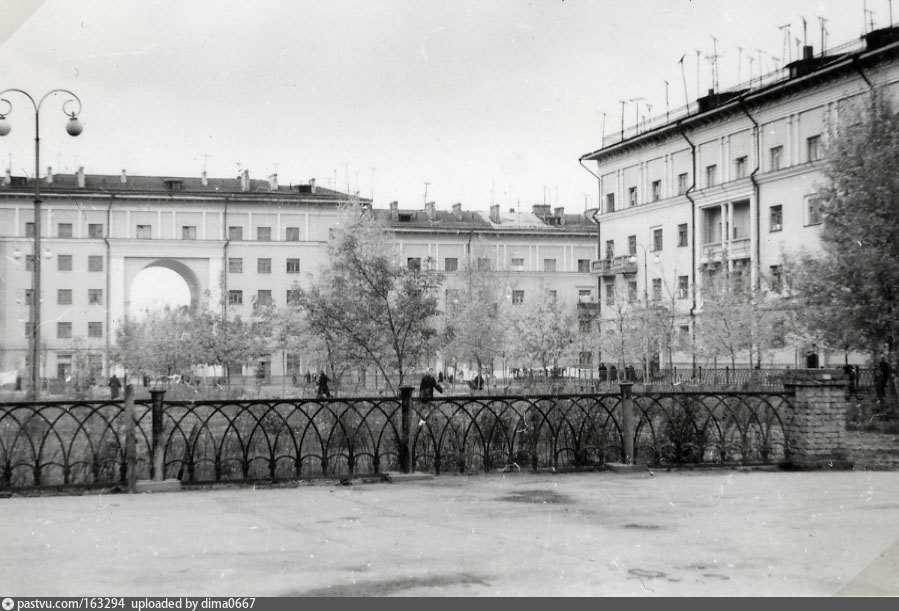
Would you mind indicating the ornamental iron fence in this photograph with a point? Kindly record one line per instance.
(78, 443)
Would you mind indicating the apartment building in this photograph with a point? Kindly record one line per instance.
(729, 183)
(237, 241)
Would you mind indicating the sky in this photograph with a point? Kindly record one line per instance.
(486, 101)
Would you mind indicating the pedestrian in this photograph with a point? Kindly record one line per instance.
(882, 374)
(114, 386)
(440, 377)
(428, 385)
(308, 377)
(603, 372)
(323, 390)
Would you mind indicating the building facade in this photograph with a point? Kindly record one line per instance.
(728, 185)
(238, 242)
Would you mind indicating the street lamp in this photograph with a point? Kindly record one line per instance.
(633, 259)
(73, 128)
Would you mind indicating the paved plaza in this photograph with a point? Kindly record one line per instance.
(682, 533)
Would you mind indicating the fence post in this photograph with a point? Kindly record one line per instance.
(627, 421)
(816, 425)
(130, 439)
(406, 429)
(157, 467)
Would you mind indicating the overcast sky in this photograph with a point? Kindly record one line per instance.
(482, 99)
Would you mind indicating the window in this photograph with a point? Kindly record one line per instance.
(681, 183)
(95, 296)
(64, 296)
(657, 239)
(776, 218)
(95, 230)
(450, 264)
(552, 295)
(610, 249)
(293, 296)
(64, 263)
(263, 298)
(549, 265)
(483, 264)
(585, 325)
(682, 239)
(144, 232)
(632, 197)
(263, 234)
(188, 232)
(776, 278)
(235, 233)
(583, 295)
(64, 330)
(656, 289)
(517, 264)
(740, 167)
(28, 295)
(632, 291)
(293, 266)
(632, 245)
(776, 154)
(711, 175)
(263, 266)
(292, 234)
(610, 202)
(95, 263)
(414, 263)
(610, 292)
(29, 230)
(656, 190)
(95, 329)
(235, 266)
(813, 146)
(683, 287)
(684, 329)
(64, 230)
(517, 297)
(583, 266)
(815, 214)
(235, 297)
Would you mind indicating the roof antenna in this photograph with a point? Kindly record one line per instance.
(787, 47)
(823, 21)
(739, 63)
(804, 32)
(622, 102)
(683, 74)
(666, 101)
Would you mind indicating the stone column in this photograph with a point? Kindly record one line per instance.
(815, 427)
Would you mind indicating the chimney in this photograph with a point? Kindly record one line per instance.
(245, 180)
(124, 176)
(560, 214)
(494, 213)
(80, 176)
(457, 211)
(312, 185)
(430, 211)
(49, 175)
(273, 182)
(541, 210)
(394, 211)
(204, 180)
(808, 52)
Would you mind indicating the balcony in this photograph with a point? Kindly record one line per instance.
(602, 267)
(588, 306)
(738, 249)
(712, 252)
(625, 264)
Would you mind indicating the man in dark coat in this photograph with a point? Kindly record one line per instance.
(114, 386)
(323, 390)
(427, 386)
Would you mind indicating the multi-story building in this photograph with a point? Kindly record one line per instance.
(238, 242)
(728, 183)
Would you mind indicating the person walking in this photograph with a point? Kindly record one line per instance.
(323, 390)
(428, 385)
(114, 387)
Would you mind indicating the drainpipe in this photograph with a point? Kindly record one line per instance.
(757, 191)
(598, 231)
(225, 261)
(858, 68)
(689, 194)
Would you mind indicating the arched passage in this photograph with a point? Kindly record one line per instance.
(163, 282)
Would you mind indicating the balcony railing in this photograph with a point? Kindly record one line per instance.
(601, 266)
(624, 264)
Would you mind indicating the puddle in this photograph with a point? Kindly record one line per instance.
(643, 573)
(643, 526)
(388, 587)
(536, 496)
(716, 576)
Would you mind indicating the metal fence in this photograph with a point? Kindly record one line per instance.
(82, 443)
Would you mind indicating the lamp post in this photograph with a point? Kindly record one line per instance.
(73, 127)
(633, 259)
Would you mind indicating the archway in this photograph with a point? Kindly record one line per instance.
(162, 283)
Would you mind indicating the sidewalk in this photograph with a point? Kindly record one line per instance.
(682, 533)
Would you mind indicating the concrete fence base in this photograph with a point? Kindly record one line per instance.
(816, 424)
